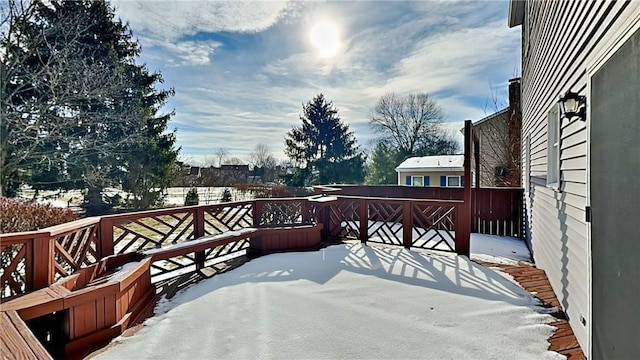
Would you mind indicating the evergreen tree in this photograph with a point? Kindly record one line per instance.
(226, 195)
(192, 197)
(80, 113)
(384, 160)
(323, 148)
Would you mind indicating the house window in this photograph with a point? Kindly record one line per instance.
(417, 181)
(454, 181)
(553, 147)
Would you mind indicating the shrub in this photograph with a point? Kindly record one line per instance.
(192, 197)
(266, 191)
(226, 195)
(18, 215)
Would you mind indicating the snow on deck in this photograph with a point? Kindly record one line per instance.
(347, 301)
(499, 249)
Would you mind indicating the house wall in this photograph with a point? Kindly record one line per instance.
(494, 138)
(434, 177)
(561, 40)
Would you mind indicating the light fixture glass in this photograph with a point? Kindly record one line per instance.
(573, 104)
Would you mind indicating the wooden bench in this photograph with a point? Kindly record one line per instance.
(286, 238)
(201, 244)
(262, 240)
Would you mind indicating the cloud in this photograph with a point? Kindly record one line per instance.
(243, 70)
(171, 20)
(180, 53)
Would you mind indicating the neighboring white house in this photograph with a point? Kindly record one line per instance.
(580, 168)
(440, 170)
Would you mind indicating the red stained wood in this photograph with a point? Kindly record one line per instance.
(563, 343)
(535, 280)
(17, 341)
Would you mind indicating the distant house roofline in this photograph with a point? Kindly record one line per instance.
(486, 118)
(432, 163)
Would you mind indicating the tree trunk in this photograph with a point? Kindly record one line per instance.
(93, 204)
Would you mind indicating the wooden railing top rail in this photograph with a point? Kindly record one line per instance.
(398, 199)
(63, 229)
(51, 231)
(355, 189)
(287, 199)
(20, 237)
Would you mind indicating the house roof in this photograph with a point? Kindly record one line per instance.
(494, 115)
(433, 163)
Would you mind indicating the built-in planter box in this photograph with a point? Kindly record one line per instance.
(282, 239)
(104, 307)
(88, 308)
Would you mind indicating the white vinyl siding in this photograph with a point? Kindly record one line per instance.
(553, 147)
(561, 42)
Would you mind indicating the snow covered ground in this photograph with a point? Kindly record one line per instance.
(499, 249)
(174, 196)
(349, 302)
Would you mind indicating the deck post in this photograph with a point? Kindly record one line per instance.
(106, 237)
(463, 226)
(198, 223)
(257, 212)
(364, 221)
(407, 226)
(43, 261)
(306, 213)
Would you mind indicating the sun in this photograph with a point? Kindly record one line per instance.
(325, 38)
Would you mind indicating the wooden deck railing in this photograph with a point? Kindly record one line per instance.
(427, 224)
(495, 211)
(34, 260)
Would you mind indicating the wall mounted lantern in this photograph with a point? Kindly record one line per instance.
(574, 104)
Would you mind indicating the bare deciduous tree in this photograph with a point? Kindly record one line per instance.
(234, 161)
(221, 154)
(410, 123)
(262, 158)
(407, 125)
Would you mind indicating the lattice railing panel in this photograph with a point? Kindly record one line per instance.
(75, 250)
(344, 219)
(164, 268)
(433, 227)
(180, 264)
(222, 219)
(152, 232)
(214, 255)
(13, 259)
(385, 223)
(282, 213)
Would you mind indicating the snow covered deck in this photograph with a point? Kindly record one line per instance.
(355, 301)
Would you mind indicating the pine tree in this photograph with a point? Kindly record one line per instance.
(323, 147)
(192, 197)
(80, 113)
(384, 160)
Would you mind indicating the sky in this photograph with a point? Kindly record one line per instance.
(348, 301)
(243, 70)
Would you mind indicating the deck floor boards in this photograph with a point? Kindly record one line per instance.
(535, 281)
